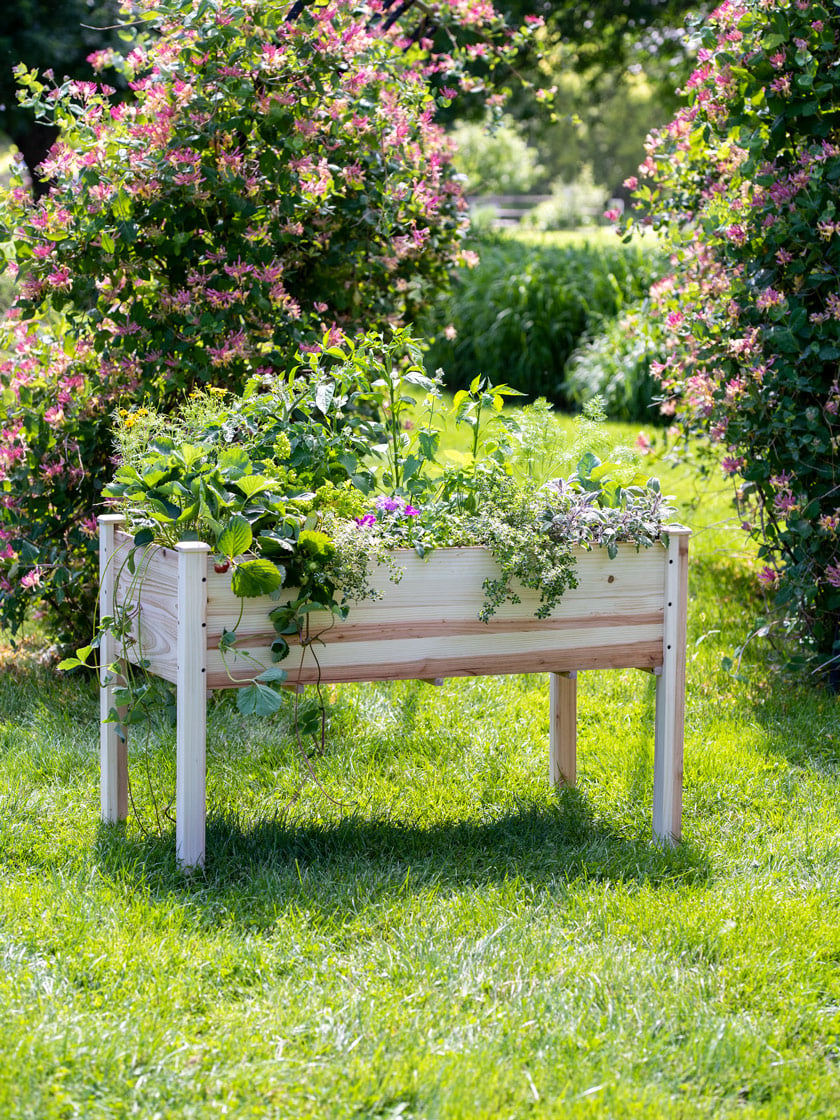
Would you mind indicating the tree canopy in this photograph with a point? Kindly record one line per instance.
(49, 36)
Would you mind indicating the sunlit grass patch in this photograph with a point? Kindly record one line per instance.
(411, 922)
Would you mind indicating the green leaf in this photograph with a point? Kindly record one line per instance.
(410, 467)
(154, 474)
(284, 619)
(235, 538)
(258, 700)
(227, 640)
(428, 442)
(251, 484)
(273, 675)
(586, 465)
(324, 394)
(271, 541)
(418, 378)
(143, 537)
(189, 453)
(233, 462)
(602, 470)
(165, 510)
(189, 513)
(611, 494)
(254, 578)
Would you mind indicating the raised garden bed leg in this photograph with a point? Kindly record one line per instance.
(192, 703)
(563, 728)
(113, 742)
(670, 695)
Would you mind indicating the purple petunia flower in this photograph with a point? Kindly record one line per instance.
(368, 519)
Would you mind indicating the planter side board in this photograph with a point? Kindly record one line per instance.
(629, 612)
(424, 626)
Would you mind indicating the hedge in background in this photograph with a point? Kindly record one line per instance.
(521, 312)
(615, 365)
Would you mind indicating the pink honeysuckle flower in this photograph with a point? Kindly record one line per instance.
(768, 577)
(31, 579)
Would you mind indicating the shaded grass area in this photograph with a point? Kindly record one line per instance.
(428, 930)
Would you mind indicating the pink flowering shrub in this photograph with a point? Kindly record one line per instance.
(746, 181)
(274, 180)
(57, 398)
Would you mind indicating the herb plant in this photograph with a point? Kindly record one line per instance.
(308, 478)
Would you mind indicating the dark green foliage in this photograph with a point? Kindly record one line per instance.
(524, 309)
(615, 366)
(49, 35)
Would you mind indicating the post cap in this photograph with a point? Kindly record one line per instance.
(192, 546)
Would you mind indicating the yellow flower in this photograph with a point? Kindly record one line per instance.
(217, 390)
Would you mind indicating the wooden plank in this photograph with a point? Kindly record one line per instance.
(627, 590)
(450, 583)
(477, 649)
(670, 696)
(113, 742)
(477, 662)
(350, 632)
(154, 632)
(563, 729)
(192, 703)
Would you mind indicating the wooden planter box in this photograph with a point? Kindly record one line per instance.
(629, 612)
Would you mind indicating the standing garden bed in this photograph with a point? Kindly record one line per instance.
(626, 612)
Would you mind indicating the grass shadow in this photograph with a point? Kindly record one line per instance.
(356, 863)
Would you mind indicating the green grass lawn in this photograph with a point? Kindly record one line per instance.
(424, 928)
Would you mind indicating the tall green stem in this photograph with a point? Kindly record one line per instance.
(394, 426)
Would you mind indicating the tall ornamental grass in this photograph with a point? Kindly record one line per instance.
(520, 313)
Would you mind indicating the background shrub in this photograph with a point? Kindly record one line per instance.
(277, 178)
(55, 457)
(494, 159)
(520, 313)
(746, 182)
(580, 202)
(615, 365)
(270, 181)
